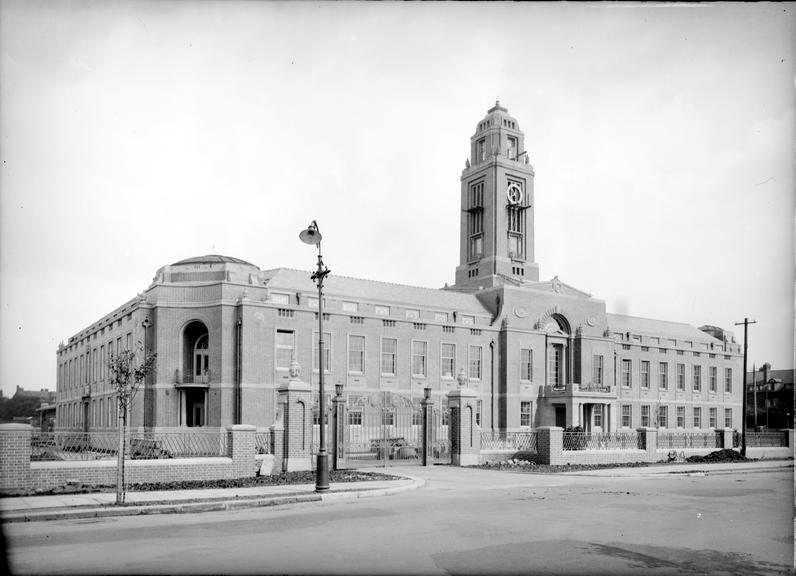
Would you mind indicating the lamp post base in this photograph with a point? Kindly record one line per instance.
(322, 470)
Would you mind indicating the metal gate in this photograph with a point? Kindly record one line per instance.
(386, 429)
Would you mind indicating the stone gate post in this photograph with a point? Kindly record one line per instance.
(339, 417)
(296, 399)
(465, 434)
(427, 408)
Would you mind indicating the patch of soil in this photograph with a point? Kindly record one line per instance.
(534, 468)
(286, 478)
(725, 455)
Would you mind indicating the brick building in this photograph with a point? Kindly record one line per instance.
(536, 352)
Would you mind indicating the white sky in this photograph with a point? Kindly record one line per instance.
(136, 134)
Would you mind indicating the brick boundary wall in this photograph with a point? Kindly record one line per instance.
(18, 474)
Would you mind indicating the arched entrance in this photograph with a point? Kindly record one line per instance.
(195, 381)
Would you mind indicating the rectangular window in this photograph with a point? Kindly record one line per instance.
(712, 417)
(312, 302)
(512, 148)
(645, 374)
(663, 416)
(681, 376)
(382, 310)
(681, 416)
(284, 349)
(389, 353)
(466, 319)
(525, 413)
(663, 375)
(697, 417)
(419, 350)
(355, 418)
(327, 352)
(128, 342)
(645, 415)
(712, 377)
(728, 417)
(440, 317)
(356, 354)
(697, 378)
(476, 199)
(447, 354)
(350, 307)
(728, 380)
(516, 243)
(597, 369)
(526, 364)
(598, 415)
(627, 379)
(103, 362)
(412, 314)
(476, 245)
(388, 418)
(480, 150)
(475, 362)
(627, 420)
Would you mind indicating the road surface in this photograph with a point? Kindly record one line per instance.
(461, 522)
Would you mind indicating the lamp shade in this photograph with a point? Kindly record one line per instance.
(311, 235)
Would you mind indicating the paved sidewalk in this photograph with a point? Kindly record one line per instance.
(101, 504)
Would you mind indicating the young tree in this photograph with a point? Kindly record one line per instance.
(126, 374)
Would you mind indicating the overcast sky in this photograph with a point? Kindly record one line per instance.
(136, 134)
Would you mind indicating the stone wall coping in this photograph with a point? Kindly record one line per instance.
(549, 428)
(159, 462)
(294, 386)
(242, 428)
(16, 428)
(463, 393)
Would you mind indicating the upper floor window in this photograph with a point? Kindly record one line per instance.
(419, 356)
(475, 362)
(663, 375)
(480, 150)
(681, 376)
(280, 298)
(526, 364)
(645, 374)
(350, 307)
(356, 354)
(285, 345)
(597, 369)
(201, 363)
(381, 310)
(512, 147)
(412, 314)
(447, 360)
(697, 378)
(712, 377)
(728, 380)
(627, 374)
(389, 353)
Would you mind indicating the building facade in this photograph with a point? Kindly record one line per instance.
(537, 352)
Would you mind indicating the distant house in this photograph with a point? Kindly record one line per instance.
(769, 398)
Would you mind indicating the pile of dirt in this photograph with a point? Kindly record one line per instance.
(534, 468)
(726, 455)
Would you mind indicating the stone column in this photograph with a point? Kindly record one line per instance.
(338, 439)
(726, 434)
(15, 457)
(648, 441)
(465, 434)
(427, 408)
(550, 445)
(277, 430)
(240, 447)
(296, 399)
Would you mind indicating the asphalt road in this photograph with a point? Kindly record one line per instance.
(461, 522)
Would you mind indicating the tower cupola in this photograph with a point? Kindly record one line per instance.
(497, 242)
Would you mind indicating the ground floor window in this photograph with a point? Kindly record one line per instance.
(627, 420)
(712, 417)
(728, 417)
(697, 417)
(645, 415)
(681, 416)
(663, 416)
(525, 413)
(598, 415)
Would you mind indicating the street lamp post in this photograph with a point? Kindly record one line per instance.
(312, 235)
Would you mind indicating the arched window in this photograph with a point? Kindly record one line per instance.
(201, 356)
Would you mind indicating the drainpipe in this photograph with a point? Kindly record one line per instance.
(492, 384)
(238, 375)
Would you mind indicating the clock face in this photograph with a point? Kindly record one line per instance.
(514, 194)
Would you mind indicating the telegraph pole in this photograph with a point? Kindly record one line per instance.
(745, 323)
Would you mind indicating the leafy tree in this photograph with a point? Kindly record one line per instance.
(126, 375)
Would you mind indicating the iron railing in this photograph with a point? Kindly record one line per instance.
(521, 441)
(601, 441)
(140, 445)
(262, 443)
(683, 439)
(766, 440)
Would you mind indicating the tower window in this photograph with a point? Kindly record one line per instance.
(512, 149)
(480, 150)
(477, 195)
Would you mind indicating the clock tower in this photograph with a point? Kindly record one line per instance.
(496, 241)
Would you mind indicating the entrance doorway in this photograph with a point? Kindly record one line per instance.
(561, 415)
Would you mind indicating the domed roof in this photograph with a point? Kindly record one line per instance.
(213, 259)
(498, 116)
